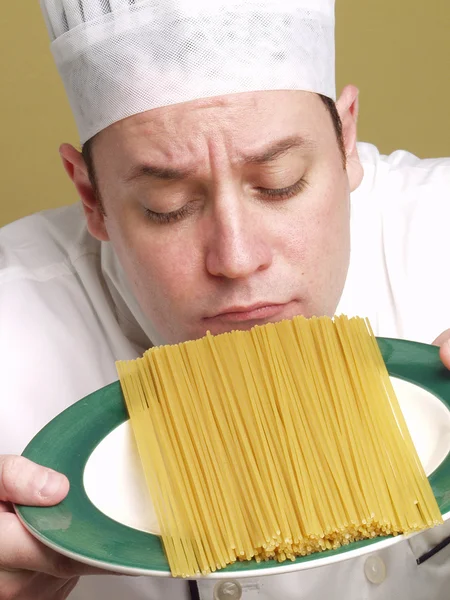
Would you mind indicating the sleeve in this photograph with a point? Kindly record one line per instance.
(415, 221)
(52, 354)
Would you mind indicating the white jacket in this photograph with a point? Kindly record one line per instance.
(66, 316)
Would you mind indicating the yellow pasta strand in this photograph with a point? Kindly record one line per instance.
(273, 443)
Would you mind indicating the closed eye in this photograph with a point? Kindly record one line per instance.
(189, 208)
(170, 217)
(284, 193)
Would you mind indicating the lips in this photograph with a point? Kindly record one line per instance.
(257, 312)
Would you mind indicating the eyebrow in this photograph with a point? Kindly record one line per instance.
(278, 149)
(158, 172)
(266, 155)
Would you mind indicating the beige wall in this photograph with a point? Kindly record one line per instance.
(396, 51)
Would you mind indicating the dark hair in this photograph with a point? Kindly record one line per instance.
(86, 152)
(337, 123)
(329, 104)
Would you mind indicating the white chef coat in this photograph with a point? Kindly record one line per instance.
(66, 315)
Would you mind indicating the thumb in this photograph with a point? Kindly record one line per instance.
(24, 482)
(444, 342)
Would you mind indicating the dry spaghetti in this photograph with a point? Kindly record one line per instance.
(274, 443)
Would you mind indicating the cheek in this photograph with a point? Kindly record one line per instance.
(318, 243)
(330, 252)
(156, 266)
(333, 225)
(321, 226)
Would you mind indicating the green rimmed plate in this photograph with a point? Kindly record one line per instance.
(107, 521)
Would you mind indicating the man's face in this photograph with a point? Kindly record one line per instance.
(227, 213)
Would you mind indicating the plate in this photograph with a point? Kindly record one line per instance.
(107, 518)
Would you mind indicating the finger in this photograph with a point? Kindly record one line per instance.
(444, 337)
(24, 482)
(20, 551)
(67, 588)
(5, 507)
(35, 586)
(444, 342)
(16, 584)
(444, 353)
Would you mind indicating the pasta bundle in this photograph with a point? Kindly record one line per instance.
(274, 443)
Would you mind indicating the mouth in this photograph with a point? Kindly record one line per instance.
(254, 314)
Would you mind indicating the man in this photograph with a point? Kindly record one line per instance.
(215, 187)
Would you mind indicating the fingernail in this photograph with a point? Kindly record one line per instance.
(51, 484)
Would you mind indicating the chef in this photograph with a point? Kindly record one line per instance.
(221, 186)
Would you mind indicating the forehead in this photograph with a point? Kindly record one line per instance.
(244, 122)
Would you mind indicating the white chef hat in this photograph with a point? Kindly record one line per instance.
(118, 58)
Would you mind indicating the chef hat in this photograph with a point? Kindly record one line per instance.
(118, 58)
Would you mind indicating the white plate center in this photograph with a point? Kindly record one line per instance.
(115, 483)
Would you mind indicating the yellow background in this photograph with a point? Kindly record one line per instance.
(396, 51)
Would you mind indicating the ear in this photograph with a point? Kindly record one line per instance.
(348, 109)
(77, 171)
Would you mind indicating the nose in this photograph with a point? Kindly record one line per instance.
(238, 242)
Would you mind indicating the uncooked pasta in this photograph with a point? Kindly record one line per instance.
(274, 443)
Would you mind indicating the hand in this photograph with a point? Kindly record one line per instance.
(28, 569)
(444, 342)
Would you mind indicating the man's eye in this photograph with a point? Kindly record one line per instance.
(169, 217)
(189, 208)
(284, 193)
